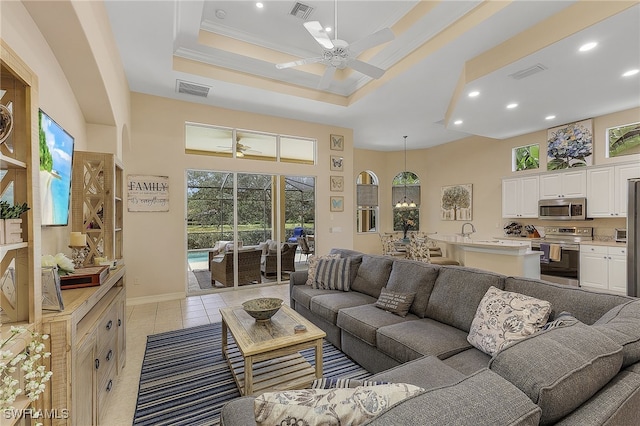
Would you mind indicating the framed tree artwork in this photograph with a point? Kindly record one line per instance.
(456, 202)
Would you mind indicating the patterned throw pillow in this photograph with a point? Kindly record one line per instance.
(313, 264)
(394, 302)
(333, 383)
(333, 274)
(329, 406)
(504, 317)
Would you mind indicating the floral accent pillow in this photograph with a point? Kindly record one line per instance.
(313, 265)
(504, 317)
(340, 406)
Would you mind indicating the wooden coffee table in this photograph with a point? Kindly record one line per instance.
(267, 356)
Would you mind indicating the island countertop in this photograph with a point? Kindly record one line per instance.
(508, 257)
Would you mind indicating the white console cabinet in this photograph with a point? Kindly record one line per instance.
(603, 268)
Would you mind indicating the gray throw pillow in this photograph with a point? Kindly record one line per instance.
(394, 302)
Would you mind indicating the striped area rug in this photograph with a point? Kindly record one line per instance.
(185, 379)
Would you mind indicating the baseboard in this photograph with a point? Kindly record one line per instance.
(155, 299)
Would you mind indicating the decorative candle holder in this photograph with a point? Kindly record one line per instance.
(78, 255)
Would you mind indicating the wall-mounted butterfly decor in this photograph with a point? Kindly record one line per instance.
(337, 142)
(336, 183)
(336, 163)
(336, 204)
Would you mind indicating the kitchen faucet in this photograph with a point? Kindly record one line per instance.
(467, 234)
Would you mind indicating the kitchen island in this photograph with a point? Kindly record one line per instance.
(514, 258)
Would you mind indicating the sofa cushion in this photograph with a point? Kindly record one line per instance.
(483, 398)
(457, 294)
(414, 277)
(326, 306)
(504, 317)
(363, 321)
(617, 403)
(409, 340)
(428, 372)
(303, 294)
(313, 265)
(468, 361)
(560, 368)
(621, 325)
(333, 274)
(585, 305)
(395, 302)
(329, 406)
(373, 274)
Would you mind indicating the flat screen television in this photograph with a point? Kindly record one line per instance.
(56, 160)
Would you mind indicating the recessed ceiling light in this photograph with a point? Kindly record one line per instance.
(630, 73)
(512, 106)
(474, 94)
(259, 5)
(457, 122)
(588, 46)
(327, 29)
(550, 117)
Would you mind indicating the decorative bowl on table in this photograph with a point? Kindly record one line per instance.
(263, 308)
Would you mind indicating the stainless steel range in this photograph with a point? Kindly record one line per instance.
(560, 262)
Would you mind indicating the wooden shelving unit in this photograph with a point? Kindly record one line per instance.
(20, 285)
(97, 189)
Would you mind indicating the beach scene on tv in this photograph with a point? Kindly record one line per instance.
(56, 157)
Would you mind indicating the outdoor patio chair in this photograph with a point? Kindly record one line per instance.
(269, 262)
(305, 249)
(298, 231)
(248, 267)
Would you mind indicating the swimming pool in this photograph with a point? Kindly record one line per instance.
(198, 256)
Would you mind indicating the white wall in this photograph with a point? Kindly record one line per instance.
(155, 243)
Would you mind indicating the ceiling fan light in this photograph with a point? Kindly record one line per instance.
(412, 204)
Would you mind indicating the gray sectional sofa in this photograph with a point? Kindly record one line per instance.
(586, 371)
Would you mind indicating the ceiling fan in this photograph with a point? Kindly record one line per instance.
(338, 54)
(241, 149)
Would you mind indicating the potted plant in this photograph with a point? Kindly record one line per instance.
(12, 223)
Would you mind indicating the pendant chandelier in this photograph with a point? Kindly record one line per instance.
(404, 204)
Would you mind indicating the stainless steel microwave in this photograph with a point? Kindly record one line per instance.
(563, 209)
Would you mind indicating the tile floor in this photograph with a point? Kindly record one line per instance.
(152, 318)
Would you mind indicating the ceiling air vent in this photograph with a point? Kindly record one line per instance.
(519, 75)
(301, 10)
(192, 88)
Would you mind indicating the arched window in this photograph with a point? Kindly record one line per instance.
(405, 195)
(367, 202)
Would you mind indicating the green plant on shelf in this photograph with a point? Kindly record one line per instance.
(8, 211)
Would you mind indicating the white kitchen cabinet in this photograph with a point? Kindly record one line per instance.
(570, 184)
(519, 197)
(604, 268)
(607, 190)
(600, 193)
(622, 174)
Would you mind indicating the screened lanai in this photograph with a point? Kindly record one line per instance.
(245, 211)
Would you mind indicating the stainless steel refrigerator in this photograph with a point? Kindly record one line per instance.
(633, 239)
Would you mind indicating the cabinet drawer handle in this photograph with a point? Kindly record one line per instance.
(109, 385)
(109, 325)
(109, 355)
(97, 363)
(119, 322)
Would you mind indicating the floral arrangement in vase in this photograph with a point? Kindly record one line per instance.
(30, 362)
(63, 263)
(406, 225)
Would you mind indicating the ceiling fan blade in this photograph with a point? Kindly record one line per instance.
(325, 81)
(298, 63)
(365, 68)
(317, 31)
(371, 40)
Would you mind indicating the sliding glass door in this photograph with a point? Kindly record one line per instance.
(241, 227)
